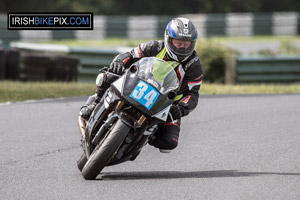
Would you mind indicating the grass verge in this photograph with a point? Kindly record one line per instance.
(250, 89)
(11, 91)
(251, 39)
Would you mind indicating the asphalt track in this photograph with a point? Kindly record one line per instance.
(231, 147)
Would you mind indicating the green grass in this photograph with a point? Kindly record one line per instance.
(250, 39)
(250, 89)
(112, 42)
(286, 43)
(19, 91)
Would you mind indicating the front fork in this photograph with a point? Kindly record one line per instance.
(82, 122)
(82, 125)
(103, 82)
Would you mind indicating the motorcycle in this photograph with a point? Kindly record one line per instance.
(127, 114)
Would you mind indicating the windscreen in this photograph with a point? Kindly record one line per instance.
(158, 73)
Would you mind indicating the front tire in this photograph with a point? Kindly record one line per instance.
(103, 153)
(81, 162)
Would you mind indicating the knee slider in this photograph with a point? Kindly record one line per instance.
(171, 140)
(171, 144)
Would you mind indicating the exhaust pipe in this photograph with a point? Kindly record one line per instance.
(82, 126)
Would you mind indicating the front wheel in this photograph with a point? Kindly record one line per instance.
(104, 152)
(81, 162)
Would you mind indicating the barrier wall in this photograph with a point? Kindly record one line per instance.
(91, 60)
(255, 69)
(29, 64)
(27, 61)
(59, 62)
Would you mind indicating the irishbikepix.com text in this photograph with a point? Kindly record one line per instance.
(50, 21)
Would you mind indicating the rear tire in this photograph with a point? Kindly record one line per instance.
(103, 153)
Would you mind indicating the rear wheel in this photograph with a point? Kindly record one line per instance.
(105, 151)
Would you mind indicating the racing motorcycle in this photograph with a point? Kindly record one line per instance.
(127, 114)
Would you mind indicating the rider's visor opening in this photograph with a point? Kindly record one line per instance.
(181, 43)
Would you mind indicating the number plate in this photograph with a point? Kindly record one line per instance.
(145, 94)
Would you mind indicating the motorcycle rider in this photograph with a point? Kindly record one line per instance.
(178, 49)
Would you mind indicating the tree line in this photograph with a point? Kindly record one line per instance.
(152, 7)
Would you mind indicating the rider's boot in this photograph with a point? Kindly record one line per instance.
(103, 82)
(87, 109)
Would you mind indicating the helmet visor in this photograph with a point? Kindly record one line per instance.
(181, 47)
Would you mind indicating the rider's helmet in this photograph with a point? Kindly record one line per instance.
(180, 38)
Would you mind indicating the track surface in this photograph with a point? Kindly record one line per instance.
(231, 147)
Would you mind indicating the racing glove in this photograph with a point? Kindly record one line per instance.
(117, 67)
(176, 112)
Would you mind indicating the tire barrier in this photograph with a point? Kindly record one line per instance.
(12, 61)
(38, 66)
(63, 68)
(33, 67)
(2, 64)
(83, 64)
(66, 63)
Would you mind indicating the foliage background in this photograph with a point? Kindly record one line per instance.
(153, 7)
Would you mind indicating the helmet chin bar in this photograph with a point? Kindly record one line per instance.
(172, 55)
(175, 57)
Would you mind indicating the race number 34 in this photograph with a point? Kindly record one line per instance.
(145, 94)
